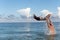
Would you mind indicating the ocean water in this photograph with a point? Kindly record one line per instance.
(28, 31)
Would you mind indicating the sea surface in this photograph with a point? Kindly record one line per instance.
(28, 31)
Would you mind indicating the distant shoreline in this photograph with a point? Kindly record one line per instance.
(22, 21)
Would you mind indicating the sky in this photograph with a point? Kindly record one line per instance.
(29, 7)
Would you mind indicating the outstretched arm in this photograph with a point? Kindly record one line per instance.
(50, 26)
(49, 22)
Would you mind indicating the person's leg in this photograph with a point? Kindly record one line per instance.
(50, 26)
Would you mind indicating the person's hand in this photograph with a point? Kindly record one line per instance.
(48, 16)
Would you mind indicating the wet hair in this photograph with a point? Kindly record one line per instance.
(37, 18)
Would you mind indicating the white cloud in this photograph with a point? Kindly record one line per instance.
(58, 11)
(24, 12)
(45, 12)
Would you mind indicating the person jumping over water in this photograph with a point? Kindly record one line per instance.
(48, 21)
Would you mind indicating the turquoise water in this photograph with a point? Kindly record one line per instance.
(28, 31)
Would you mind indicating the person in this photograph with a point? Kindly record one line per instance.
(48, 21)
(41, 18)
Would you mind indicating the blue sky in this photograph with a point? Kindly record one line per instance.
(8, 7)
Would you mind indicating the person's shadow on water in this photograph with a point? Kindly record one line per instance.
(45, 37)
(50, 37)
